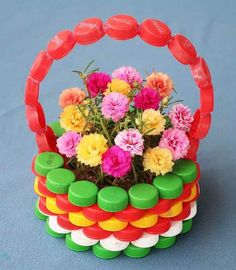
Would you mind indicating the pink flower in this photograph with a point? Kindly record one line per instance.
(71, 96)
(128, 74)
(181, 117)
(147, 98)
(130, 140)
(97, 83)
(67, 143)
(116, 162)
(176, 141)
(114, 106)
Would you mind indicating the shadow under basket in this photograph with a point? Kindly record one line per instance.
(112, 220)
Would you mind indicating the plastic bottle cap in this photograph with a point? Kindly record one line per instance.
(57, 129)
(63, 203)
(165, 242)
(128, 234)
(53, 225)
(136, 252)
(146, 240)
(37, 212)
(143, 196)
(73, 246)
(48, 161)
(169, 186)
(112, 199)
(113, 244)
(148, 220)
(113, 224)
(52, 233)
(186, 169)
(59, 180)
(103, 253)
(80, 220)
(81, 239)
(64, 222)
(95, 232)
(187, 226)
(160, 227)
(95, 213)
(175, 229)
(130, 214)
(83, 193)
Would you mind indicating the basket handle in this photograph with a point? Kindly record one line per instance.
(119, 27)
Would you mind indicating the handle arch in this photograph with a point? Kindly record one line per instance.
(119, 27)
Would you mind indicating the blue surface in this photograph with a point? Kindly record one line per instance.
(26, 27)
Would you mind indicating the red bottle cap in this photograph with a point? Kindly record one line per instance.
(95, 213)
(121, 27)
(200, 125)
(63, 203)
(42, 187)
(193, 148)
(41, 66)
(64, 222)
(36, 118)
(182, 49)
(155, 32)
(31, 92)
(201, 73)
(160, 227)
(61, 44)
(207, 100)
(129, 214)
(162, 206)
(130, 233)
(186, 192)
(184, 214)
(46, 142)
(43, 207)
(95, 232)
(89, 31)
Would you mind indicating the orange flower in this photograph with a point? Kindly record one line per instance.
(71, 96)
(161, 82)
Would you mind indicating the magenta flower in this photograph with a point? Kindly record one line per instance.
(130, 140)
(116, 162)
(67, 143)
(147, 98)
(128, 74)
(97, 83)
(176, 141)
(181, 117)
(114, 106)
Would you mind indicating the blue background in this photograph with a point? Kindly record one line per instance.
(25, 28)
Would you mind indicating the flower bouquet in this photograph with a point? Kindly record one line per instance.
(118, 171)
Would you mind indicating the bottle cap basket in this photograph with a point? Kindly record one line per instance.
(112, 220)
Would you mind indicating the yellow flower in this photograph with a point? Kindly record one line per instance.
(119, 86)
(90, 149)
(72, 119)
(152, 122)
(158, 160)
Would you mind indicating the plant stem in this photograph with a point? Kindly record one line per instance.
(135, 174)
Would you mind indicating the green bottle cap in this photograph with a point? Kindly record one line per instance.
(112, 199)
(187, 226)
(47, 161)
(169, 186)
(59, 180)
(103, 253)
(52, 233)
(83, 193)
(186, 169)
(38, 214)
(136, 252)
(143, 196)
(57, 129)
(165, 242)
(73, 246)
